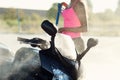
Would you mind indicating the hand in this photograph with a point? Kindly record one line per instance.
(60, 30)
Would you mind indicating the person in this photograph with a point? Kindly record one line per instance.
(75, 22)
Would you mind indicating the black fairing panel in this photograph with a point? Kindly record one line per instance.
(49, 61)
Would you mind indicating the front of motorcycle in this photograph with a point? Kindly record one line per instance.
(46, 63)
(56, 64)
(39, 64)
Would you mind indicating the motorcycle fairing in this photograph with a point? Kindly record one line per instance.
(50, 61)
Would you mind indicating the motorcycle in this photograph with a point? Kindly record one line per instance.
(45, 63)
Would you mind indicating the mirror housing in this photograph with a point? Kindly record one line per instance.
(49, 28)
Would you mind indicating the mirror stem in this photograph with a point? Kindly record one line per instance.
(53, 43)
(80, 56)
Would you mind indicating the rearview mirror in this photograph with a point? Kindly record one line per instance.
(49, 28)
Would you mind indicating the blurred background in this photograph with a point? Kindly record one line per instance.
(17, 17)
(22, 18)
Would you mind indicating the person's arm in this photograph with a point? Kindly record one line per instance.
(81, 13)
(77, 29)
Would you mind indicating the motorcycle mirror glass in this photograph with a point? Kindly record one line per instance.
(49, 28)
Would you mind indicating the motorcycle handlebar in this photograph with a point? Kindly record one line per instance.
(35, 42)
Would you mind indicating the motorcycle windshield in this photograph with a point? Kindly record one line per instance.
(65, 45)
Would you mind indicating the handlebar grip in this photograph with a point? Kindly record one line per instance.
(23, 39)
